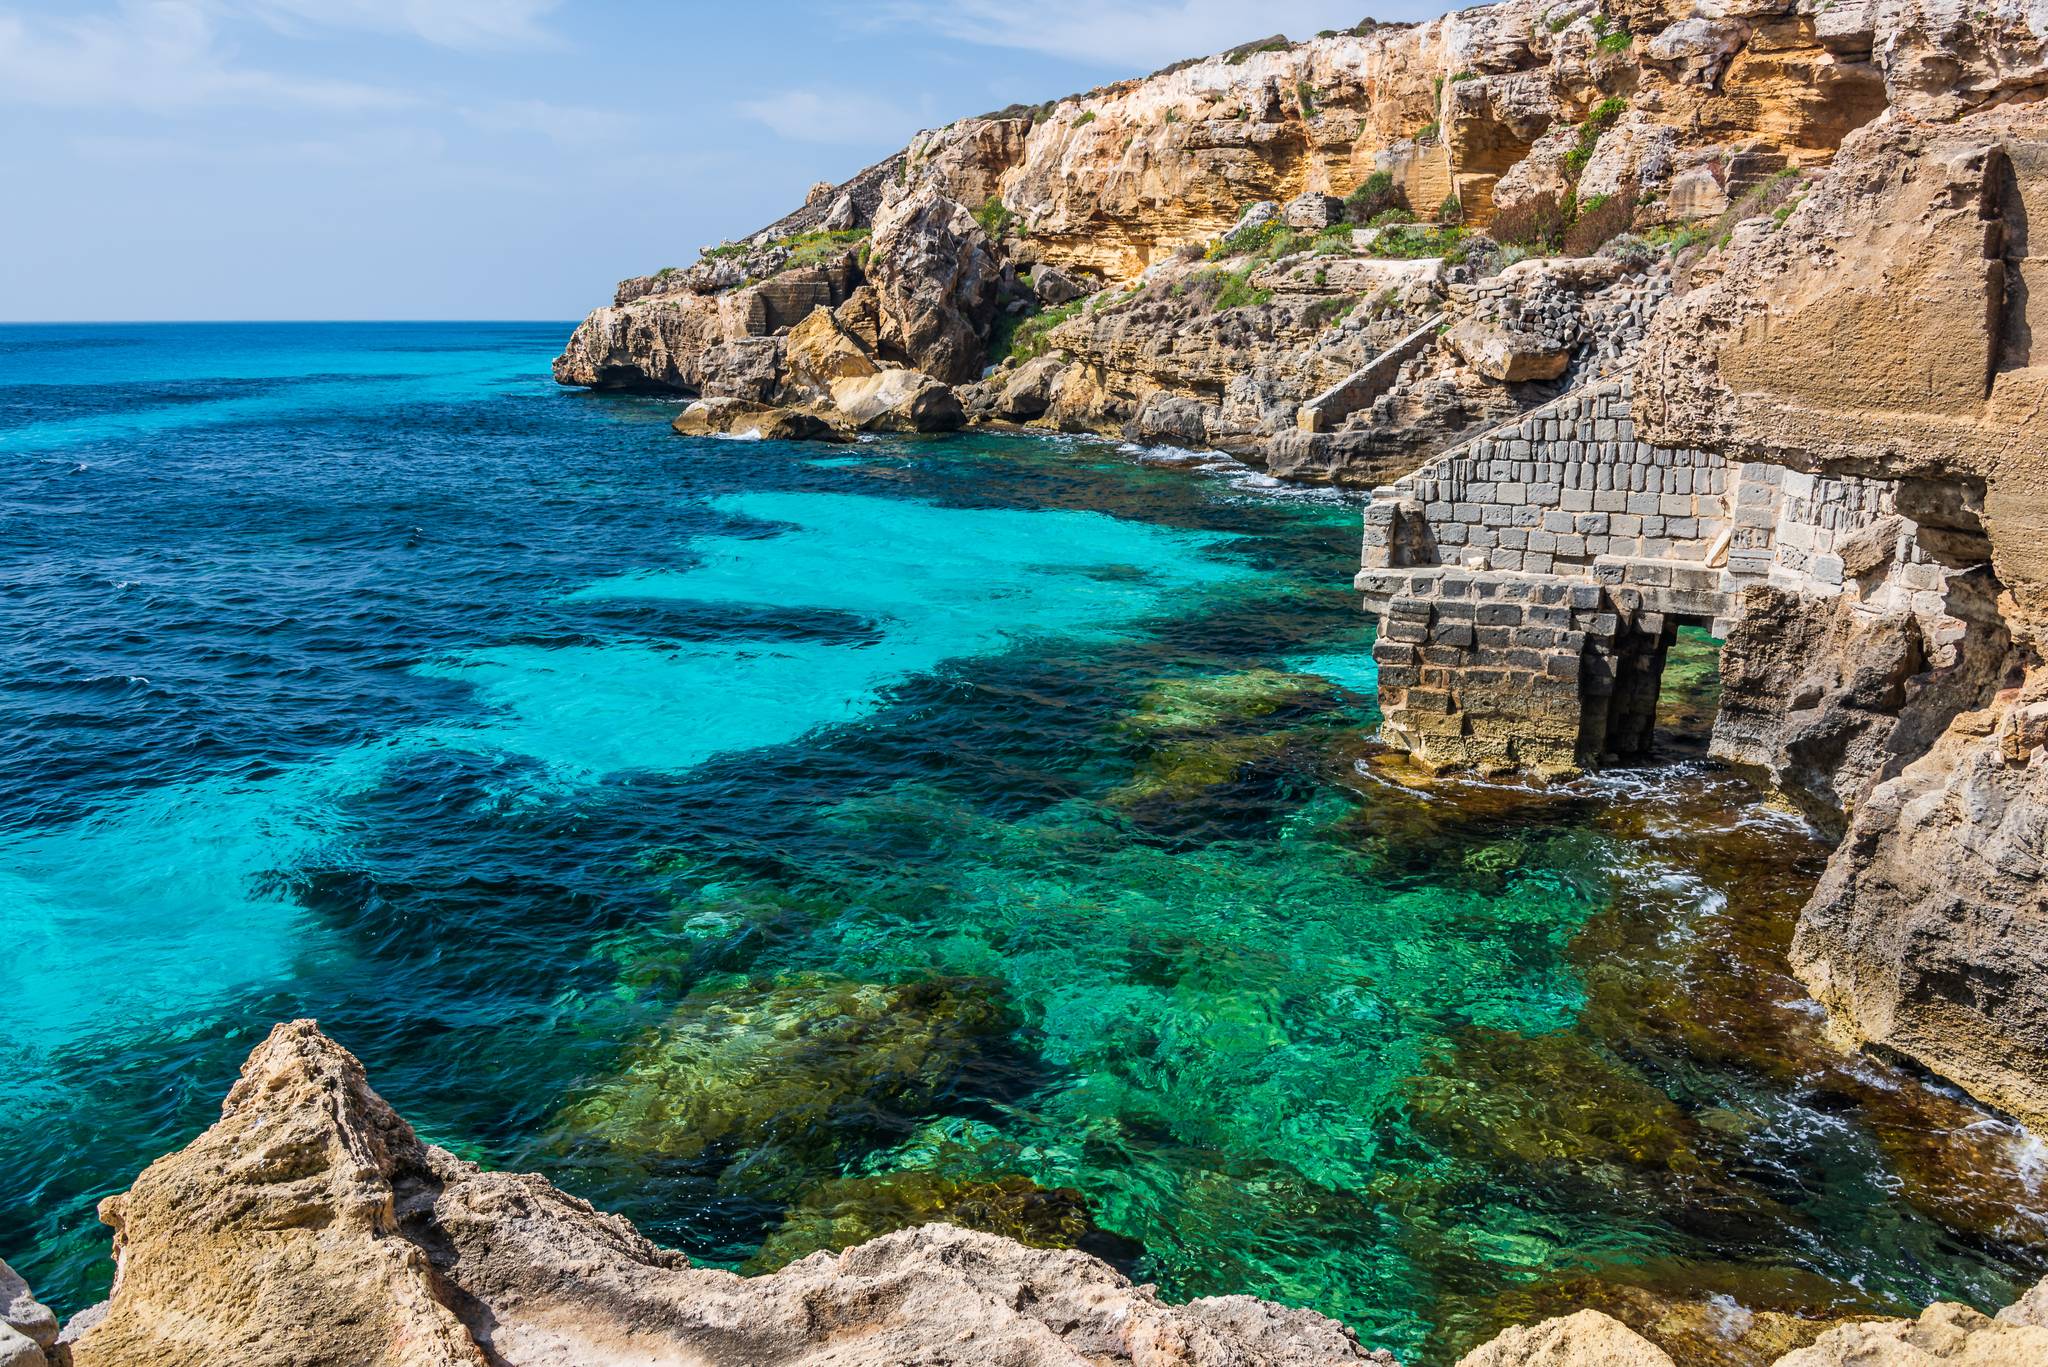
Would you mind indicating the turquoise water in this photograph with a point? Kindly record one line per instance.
(781, 848)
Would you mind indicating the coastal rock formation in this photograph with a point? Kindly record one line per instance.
(311, 1227)
(1587, 1339)
(28, 1330)
(1913, 721)
(935, 278)
(1172, 188)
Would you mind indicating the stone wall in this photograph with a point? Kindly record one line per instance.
(1593, 546)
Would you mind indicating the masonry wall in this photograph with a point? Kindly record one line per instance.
(1569, 499)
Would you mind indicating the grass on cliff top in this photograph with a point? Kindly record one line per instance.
(805, 249)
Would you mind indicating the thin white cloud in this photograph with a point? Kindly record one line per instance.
(466, 24)
(154, 55)
(840, 117)
(566, 125)
(1136, 35)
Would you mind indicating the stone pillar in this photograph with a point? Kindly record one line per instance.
(1502, 672)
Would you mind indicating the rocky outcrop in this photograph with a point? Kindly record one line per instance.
(1884, 333)
(935, 277)
(311, 1227)
(1587, 1339)
(28, 1329)
(1945, 1333)
(1670, 114)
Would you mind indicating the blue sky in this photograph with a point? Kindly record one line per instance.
(491, 158)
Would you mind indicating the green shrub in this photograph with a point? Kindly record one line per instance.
(1413, 242)
(1235, 290)
(1374, 196)
(1305, 95)
(1616, 42)
(1025, 338)
(1429, 132)
(1451, 211)
(665, 272)
(995, 217)
(1087, 116)
(1465, 76)
(1327, 312)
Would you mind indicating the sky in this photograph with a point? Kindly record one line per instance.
(337, 159)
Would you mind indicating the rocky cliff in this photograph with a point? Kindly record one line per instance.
(310, 1227)
(1136, 234)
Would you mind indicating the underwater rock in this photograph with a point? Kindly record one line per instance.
(787, 1067)
(1208, 700)
(1183, 770)
(852, 1210)
(1548, 1098)
(311, 1227)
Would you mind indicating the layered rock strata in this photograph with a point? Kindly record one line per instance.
(1671, 115)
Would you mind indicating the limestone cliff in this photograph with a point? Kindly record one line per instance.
(1093, 215)
(1887, 333)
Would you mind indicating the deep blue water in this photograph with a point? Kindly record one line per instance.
(768, 841)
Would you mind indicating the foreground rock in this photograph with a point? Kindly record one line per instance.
(28, 1330)
(1587, 1339)
(310, 1227)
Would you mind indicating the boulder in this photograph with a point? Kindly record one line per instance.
(22, 1312)
(708, 416)
(898, 400)
(791, 424)
(311, 1227)
(843, 216)
(1028, 390)
(1504, 355)
(1054, 286)
(935, 276)
(738, 417)
(1587, 1339)
(1313, 211)
(19, 1350)
(1172, 419)
(1945, 1335)
(820, 193)
(820, 351)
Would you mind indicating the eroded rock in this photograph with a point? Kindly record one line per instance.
(310, 1227)
(935, 277)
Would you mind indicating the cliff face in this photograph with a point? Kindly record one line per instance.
(1887, 333)
(1493, 109)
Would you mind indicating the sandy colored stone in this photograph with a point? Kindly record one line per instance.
(1945, 1335)
(310, 1227)
(1586, 1339)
